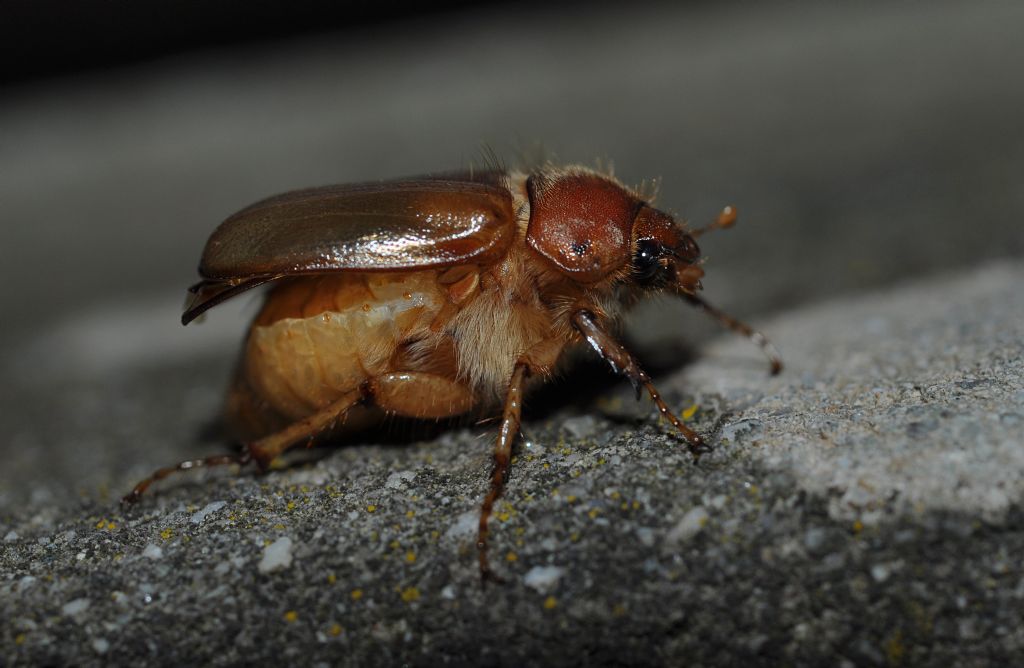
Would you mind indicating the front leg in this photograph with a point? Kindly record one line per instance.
(623, 362)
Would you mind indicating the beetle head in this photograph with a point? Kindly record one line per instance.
(664, 255)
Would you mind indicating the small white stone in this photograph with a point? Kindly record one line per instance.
(448, 593)
(543, 578)
(75, 607)
(11, 536)
(100, 645)
(276, 556)
(198, 517)
(688, 527)
(152, 551)
(580, 427)
(463, 525)
(880, 572)
(398, 479)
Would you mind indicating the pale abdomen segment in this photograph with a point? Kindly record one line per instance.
(320, 337)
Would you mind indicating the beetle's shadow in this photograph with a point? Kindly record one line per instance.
(580, 386)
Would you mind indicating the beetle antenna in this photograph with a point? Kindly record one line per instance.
(726, 219)
(741, 328)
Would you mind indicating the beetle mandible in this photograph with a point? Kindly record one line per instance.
(435, 297)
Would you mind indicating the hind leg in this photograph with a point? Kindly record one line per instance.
(264, 450)
(410, 394)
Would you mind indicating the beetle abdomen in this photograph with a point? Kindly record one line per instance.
(319, 337)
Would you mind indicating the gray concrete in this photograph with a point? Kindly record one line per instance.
(864, 507)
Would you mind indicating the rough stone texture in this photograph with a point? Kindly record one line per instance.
(863, 508)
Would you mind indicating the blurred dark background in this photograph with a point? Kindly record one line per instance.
(48, 38)
(862, 144)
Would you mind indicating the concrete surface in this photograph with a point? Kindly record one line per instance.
(864, 508)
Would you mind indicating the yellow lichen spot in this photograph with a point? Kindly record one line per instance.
(101, 524)
(576, 473)
(616, 495)
(858, 526)
(335, 630)
(394, 545)
(504, 517)
(636, 505)
(410, 514)
(520, 531)
(601, 461)
(371, 508)
(594, 512)
(279, 526)
(410, 557)
(410, 594)
(357, 594)
(435, 534)
(571, 498)
(515, 460)
(690, 412)
(546, 466)
(291, 616)
(894, 648)
(291, 505)
(550, 603)
(167, 533)
(625, 505)
(511, 556)
(19, 639)
(574, 536)
(331, 578)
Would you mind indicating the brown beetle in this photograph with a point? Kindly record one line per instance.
(435, 297)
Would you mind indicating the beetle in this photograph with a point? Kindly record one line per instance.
(434, 297)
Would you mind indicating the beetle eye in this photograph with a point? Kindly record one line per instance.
(646, 261)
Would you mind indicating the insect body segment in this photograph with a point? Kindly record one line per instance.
(435, 298)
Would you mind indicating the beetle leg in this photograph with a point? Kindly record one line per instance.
(264, 450)
(216, 460)
(502, 458)
(624, 363)
(742, 328)
(268, 448)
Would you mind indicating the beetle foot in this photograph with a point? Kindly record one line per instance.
(487, 575)
(698, 447)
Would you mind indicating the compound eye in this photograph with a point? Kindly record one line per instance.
(647, 260)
